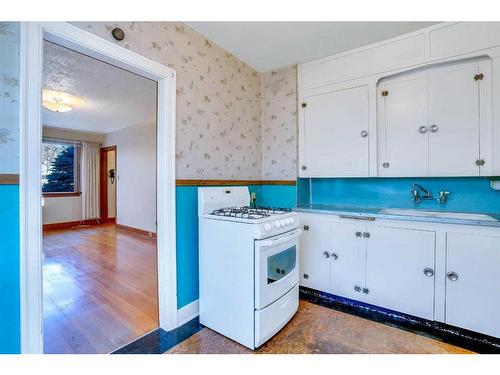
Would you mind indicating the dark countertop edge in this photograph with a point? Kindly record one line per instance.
(372, 213)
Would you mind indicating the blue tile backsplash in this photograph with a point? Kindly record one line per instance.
(468, 194)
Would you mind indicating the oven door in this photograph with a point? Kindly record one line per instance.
(276, 267)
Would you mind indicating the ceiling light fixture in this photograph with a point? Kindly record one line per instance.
(57, 101)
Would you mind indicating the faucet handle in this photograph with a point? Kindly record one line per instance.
(443, 196)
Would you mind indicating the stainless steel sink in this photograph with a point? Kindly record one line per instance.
(437, 214)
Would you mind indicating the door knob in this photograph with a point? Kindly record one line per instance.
(422, 129)
(429, 272)
(434, 128)
(452, 276)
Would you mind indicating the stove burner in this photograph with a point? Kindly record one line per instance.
(246, 212)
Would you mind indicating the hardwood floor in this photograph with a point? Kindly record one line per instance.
(100, 289)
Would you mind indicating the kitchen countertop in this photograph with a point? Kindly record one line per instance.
(375, 213)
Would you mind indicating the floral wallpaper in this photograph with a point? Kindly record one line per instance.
(279, 124)
(218, 98)
(9, 97)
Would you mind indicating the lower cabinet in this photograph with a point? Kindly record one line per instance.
(400, 270)
(393, 265)
(473, 282)
(314, 254)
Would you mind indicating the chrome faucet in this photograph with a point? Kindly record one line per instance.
(417, 189)
(415, 193)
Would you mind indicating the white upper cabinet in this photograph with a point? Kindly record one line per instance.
(454, 121)
(334, 134)
(403, 140)
(430, 122)
(437, 120)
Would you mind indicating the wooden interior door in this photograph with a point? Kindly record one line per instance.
(103, 185)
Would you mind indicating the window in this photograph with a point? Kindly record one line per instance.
(59, 167)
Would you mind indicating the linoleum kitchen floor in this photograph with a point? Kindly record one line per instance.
(316, 329)
(99, 287)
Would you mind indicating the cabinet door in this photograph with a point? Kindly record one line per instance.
(314, 266)
(395, 264)
(334, 142)
(454, 121)
(404, 139)
(473, 298)
(348, 256)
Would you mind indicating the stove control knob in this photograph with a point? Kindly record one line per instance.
(282, 222)
(277, 224)
(267, 227)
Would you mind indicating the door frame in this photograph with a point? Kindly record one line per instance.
(31, 56)
(103, 190)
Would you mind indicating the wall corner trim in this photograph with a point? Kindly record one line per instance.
(188, 312)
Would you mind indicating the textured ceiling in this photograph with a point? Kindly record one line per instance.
(270, 45)
(115, 99)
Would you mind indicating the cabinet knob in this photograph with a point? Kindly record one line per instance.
(326, 254)
(480, 162)
(358, 234)
(429, 272)
(422, 129)
(434, 128)
(304, 168)
(334, 256)
(385, 165)
(366, 234)
(364, 134)
(306, 227)
(306, 276)
(366, 290)
(357, 288)
(452, 276)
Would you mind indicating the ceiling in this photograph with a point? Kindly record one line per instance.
(114, 98)
(270, 45)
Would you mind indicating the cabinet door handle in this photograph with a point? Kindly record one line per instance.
(306, 227)
(358, 234)
(357, 288)
(366, 234)
(364, 134)
(306, 276)
(434, 128)
(422, 129)
(366, 290)
(326, 254)
(452, 276)
(429, 272)
(334, 256)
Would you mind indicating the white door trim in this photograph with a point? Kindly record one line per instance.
(67, 35)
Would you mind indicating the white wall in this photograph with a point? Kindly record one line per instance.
(136, 176)
(61, 209)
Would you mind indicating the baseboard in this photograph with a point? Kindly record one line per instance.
(70, 224)
(138, 231)
(188, 312)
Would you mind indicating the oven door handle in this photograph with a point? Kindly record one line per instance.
(276, 241)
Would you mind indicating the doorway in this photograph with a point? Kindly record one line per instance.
(32, 36)
(108, 188)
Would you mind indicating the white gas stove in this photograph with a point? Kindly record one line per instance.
(248, 265)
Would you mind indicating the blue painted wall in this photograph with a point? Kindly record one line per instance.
(187, 232)
(9, 269)
(467, 194)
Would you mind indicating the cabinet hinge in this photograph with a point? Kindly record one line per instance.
(385, 93)
(304, 105)
(479, 77)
